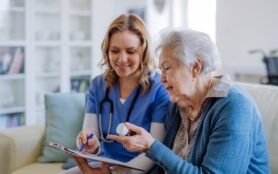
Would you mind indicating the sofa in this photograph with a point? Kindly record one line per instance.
(19, 151)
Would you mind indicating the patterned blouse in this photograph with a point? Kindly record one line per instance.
(185, 136)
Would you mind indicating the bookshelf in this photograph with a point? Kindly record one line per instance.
(60, 41)
(63, 48)
(45, 47)
(12, 63)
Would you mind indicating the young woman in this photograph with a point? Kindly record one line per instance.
(128, 91)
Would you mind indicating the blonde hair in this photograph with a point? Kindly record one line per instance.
(134, 24)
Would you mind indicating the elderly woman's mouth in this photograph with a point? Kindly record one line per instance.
(169, 88)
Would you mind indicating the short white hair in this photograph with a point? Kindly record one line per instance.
(189, 45)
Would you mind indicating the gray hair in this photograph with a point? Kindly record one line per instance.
(189, 45)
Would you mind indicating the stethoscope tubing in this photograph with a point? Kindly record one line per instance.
(110, 102)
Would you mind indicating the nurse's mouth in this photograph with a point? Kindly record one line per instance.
(123, 65)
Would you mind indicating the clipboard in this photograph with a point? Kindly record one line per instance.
(90, 156)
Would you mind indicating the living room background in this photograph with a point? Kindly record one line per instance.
(54, 46)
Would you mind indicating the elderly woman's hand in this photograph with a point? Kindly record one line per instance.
(86, 169)
(141, 141)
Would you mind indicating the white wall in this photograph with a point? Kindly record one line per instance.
(101, 18)
(242, 25)
(157, 20)
(124, 5)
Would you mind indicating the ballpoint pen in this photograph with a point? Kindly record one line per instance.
(84, 144)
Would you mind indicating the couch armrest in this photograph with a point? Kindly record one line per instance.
(19, 146)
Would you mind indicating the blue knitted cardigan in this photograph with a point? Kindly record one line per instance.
(229, 139)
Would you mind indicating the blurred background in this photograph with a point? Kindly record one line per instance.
(50, 46)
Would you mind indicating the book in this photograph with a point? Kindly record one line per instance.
(18, 62)
(79, 85)
(91, 156)
(3, 121)
(84, 85)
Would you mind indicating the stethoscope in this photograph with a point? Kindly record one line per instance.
(110, 102)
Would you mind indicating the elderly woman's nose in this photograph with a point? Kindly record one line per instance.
(162, 78)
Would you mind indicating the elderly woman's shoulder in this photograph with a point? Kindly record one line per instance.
(239, 95)
(238, 104)
(236, 113)
(228, 91)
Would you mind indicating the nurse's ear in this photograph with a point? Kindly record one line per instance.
(196, 68)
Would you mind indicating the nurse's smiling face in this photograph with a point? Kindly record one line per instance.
(125, 52)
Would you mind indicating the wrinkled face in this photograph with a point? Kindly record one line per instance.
(176, 77)
(125, 53)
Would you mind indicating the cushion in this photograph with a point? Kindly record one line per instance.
(64, 118)
(69, 163)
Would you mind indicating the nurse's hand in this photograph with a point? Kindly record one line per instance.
(92, 144)
(141, 141)
(86, 169)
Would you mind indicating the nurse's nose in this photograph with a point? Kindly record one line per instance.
(123, 57)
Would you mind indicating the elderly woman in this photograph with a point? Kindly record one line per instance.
(213, 126)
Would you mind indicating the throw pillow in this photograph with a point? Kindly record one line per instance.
(64, 118)
(69, 163)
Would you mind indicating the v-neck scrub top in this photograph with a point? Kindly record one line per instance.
(149, 107)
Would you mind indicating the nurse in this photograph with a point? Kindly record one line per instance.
(128, 91)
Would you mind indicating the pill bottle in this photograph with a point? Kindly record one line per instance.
(122, 130)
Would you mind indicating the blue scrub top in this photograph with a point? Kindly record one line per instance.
(149, 107)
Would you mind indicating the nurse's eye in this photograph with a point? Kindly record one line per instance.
(131, 51)
(114, 51)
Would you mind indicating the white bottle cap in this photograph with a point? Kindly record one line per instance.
(122, 130)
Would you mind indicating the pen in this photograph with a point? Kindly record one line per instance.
(84, 145)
